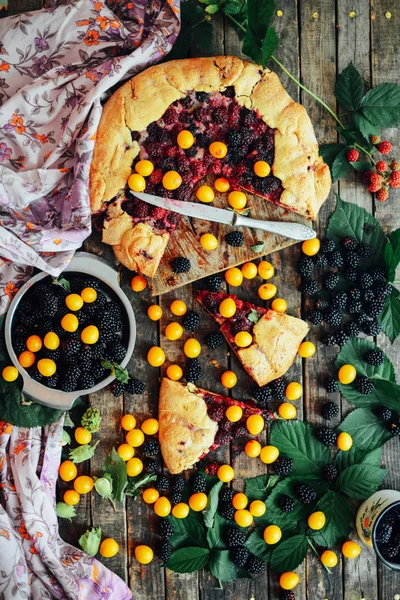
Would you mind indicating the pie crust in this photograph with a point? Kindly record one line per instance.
(144, 99)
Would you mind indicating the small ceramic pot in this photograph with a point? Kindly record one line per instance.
(369, 515)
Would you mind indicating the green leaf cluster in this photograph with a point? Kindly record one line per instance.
(260, 39)
(90, 541)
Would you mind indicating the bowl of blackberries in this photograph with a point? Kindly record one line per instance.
(386, 536)
(71, 335)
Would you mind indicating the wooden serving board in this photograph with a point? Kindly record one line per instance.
(185, 241)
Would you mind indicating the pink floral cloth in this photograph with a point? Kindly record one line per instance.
(56, 65)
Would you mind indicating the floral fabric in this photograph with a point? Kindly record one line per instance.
(55, 67)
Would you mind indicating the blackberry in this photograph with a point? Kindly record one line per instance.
(45, 326)
(242, 324)
(86, 381)
(234, 537)
(162, 483)
(361, 318)
(49, 306)
(333, 317)
(164, 551)
(226, 495)
(178, 483)
(367, 296)
(191, 320)
(214, 282)
(176, 498)
(36, 375)
(116, 351)
(329, 340)
(239, 555)
(364, 250)
(392, 549)
(284, 465)
(382, 290)
(331, 280)
(383, 532)
(377, 273)
(255, 565)
(51, 382)
(214, 340)
(350, 243)
(67, 385)
(150, 448)
(332, 385)
(117, 388)
(330, 410)
(165, 529)
(335, 259)
(19, 345)
(354, 294)
(135, 386)
(235, 238)
(372, 328)
(330, 473)
(53, 354)
(28, 320)
(364, 385)
(309, 288)
(315, 317)
(180, 264)
(383, 413)
(223, 437)
(375, 307)
(352, 329)
(263, 395)
(97, 351)
(327, 245)
(355, 307)
(341, 338)
(193, 370)
(108, 321)
(350, 274)
(211, 303)
(278, 387)
(226, 510)
(305, 493)
(199, 483)
(394, 427)
(150, 465)
(339, 300)
(320, 260)
(286, 504)
(71, 346)
(85, 359)
(352, 259)
(326, 436)
(364, 280)
(287, 595)
(306, 266)
(216, 412)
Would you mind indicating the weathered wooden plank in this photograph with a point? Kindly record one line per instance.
(386, 67)
(19, 6)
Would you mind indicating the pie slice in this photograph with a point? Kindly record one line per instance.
(276, 336)
(192, 423)
(220, 99)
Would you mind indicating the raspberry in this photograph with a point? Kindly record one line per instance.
(375, 182)
(315, 317)
(255, 565)
(364, 385)
(150, 465)
(335, 259)
(286, 504)
(263, 395)
(309, 288)
(341, 338)
(162, 483)
(332, 385)
(333, 317)
(180, 265)
(235, 238)
(326, 436)
(136, 209)
(383, 413)
(191, 320)
(150, 448)
(214, 340)
(394, 165)
(223, 437)
(366, 177)
(234, 537)
(155, 177)
(284, 465)
(327, 245)
(226, 510)
(193, 370)
(306, 266)
(330, 473)
(239, 555)
(384, 147)
(375, 139)
(353, 155)
(330, 410)
(331, 281)
(382, 195)
(199, 483)
(381, 166)
(394, 179)
(374, 357)
(214, 282)
(305, 493)
(216, 412)
(164, 551)
(165, 529)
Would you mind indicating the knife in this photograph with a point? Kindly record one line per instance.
(295, 231)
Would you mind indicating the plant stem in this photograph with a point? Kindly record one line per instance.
(313, 548)
(366, 152)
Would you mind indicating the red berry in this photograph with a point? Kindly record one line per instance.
(381, 166)
(382, 195)
(394, 165)
(375, 139)
(375, 182)
(366, 177)
(384, 147)
(353, 155)
(394, 179)
(156, 176)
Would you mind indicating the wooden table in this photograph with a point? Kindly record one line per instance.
(318, 39)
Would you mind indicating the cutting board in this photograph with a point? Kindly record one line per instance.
(185, 241)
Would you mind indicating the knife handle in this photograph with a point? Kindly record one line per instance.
(295, 231)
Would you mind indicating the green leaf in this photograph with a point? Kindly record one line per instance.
(82, 453)
(258, 488)
(195, 30)
(260, 39)
(258, 247)
(365, 127)
(68, 422)
(351, 220)
(340, 166)
(212, 505)
(212, 9)
(256, 544)
(62, 282)
(360, 481)
(353, 136)
(90, 541)
(269, 45)
(288, 555)
(349, 88)
(330, 151)
(339, 519)
(390, 317)
(65, 438)
(189, 531)
(253, 316)
(361, 166)
(116, 468)
(394, 239)
(296, 439)
(136, 484)
(381, 105)
(390, 262)
(368, 432)
(222, 567)
(215, 536)
(188, 560)
(232, 7)
(356, 456)
(352, 353)
(65, 511)
(121, 374)
(389, 393)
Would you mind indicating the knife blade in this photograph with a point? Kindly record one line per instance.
(295, 231)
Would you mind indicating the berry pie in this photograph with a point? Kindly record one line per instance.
(231, 115)
(272, 341)
(192, 423)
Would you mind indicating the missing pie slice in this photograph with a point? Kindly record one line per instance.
(276, 336)
(192, 423)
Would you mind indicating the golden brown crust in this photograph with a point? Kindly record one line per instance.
(145, 98)
(186, 431)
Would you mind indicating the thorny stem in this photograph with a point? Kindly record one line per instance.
(313, 548)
